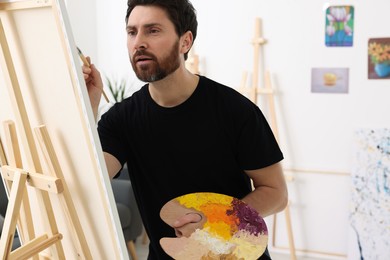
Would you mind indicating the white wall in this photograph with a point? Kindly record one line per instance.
(83, 19)
(316, 130)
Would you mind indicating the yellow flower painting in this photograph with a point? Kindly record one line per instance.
(379, 58)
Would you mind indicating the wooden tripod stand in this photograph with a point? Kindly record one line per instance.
(252, 93)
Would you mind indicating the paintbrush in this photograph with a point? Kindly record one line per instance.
(86, 63)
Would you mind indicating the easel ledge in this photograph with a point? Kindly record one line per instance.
(36, 180)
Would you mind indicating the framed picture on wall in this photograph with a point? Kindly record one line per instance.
(339, 26)
(329, 80)
(379, 58)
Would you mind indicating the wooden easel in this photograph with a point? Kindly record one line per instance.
(252, 93)
(192, 62)
(17, 175)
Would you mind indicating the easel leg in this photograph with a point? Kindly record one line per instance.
(132, 251)
(34, 247)
(13, 209)
(52, 162)
(289, 233)
(26, 231)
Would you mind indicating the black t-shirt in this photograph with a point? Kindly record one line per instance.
(201, 145)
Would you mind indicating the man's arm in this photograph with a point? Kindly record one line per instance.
(269, 197)
(112, 163)
(94, 85)
(270, 194)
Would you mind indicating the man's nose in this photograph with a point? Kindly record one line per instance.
(140, 42)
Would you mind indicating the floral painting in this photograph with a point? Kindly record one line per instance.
(379, 58)
(339, 26)
(370, 207)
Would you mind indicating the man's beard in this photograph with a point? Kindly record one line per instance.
(157, 70)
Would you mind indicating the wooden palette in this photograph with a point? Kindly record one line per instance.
(227, 228)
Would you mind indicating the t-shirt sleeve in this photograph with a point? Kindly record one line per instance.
(257, 144)
(110, 130)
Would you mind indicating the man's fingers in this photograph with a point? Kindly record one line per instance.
(191, 217)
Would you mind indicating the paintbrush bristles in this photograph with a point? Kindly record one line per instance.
(82, 57)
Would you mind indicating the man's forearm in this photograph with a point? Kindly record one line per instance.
(267, 200)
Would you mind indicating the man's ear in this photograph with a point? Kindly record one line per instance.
(186, 42)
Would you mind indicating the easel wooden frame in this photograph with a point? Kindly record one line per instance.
(252, 93)
(17, 180)
(28, 170)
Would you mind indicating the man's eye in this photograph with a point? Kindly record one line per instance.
(131, 33)
(153, 31)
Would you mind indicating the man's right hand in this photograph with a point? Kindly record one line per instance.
(94, 84)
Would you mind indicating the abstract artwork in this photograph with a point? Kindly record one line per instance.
(228, 228)
(339, 26)
(379, 58)
(329, 80)
(370, 211)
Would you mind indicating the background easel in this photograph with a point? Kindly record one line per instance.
(192, 62)
(252, 92)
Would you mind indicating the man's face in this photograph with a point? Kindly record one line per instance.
(152, 43)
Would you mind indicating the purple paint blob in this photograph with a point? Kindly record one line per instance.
(249, 220)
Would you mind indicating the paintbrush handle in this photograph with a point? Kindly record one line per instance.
(86, 63)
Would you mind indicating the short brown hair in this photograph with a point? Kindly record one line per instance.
(181, 13)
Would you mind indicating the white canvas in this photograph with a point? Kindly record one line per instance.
(370, 207)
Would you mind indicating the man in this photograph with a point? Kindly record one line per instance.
(183, 133)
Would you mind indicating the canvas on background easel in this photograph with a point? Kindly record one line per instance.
(252, 93)
(60, 197)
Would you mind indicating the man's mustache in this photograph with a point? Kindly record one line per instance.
(140, 53)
